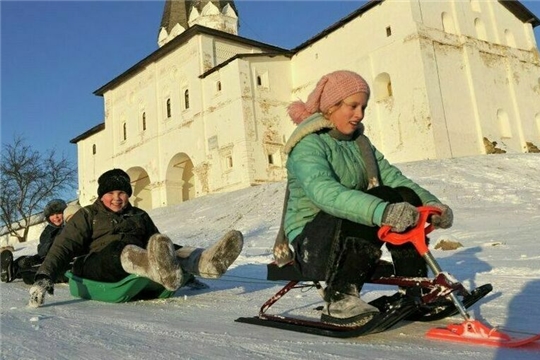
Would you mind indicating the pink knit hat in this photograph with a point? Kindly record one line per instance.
(330, 90)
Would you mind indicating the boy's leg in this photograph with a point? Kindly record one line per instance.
(104, 265)
(212, 262)
(6, 265)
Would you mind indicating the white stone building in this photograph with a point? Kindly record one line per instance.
(206, 112)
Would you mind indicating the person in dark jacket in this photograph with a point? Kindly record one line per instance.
(25, 267)
(111, 239)
(341, 190)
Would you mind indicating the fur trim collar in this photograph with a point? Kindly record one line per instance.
(312, 124)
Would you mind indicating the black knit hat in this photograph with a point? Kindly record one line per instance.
(56, 206)
(115, 179)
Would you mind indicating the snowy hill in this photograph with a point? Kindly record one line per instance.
(496, 203)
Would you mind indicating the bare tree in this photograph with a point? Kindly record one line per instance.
(28, 180)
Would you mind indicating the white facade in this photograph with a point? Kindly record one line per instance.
(34, 232)
(207, 111)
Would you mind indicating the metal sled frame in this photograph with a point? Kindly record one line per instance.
(410, 306)
(439, 287)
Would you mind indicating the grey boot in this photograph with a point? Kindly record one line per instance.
(355, 261)
(347, 309)
(213, 262)
(158, 262)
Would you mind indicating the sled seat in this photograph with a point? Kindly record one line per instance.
(291, 272)
(132, 287)
(287, 272)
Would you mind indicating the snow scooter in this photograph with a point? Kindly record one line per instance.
(424, 299)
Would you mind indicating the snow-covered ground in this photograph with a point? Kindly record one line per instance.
(496, 202)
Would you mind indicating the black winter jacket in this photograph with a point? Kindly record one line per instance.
(46, 239)
(92, 229)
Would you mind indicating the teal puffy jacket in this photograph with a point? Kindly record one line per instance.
(329, 174)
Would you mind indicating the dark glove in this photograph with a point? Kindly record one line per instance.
(37, 291)
(443, 221)
(400, 216)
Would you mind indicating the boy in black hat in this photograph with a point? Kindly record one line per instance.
(25, 267)
(112, 239)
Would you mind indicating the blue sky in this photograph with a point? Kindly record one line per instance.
(54, 54)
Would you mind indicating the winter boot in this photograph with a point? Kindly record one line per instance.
(213, 262)
(6, 266)
(345, 308)
(354, 262)
(158, 262)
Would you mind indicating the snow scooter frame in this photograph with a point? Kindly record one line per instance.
(423, 300)
(471, 330)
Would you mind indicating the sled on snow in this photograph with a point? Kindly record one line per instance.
(424, 299)
(132, 287)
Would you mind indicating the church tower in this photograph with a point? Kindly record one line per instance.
(179, 15)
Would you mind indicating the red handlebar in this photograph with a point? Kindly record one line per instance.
(416, 236)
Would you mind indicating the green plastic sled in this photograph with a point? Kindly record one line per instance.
(132, 287)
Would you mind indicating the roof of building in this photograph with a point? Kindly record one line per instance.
(288, 54)
(88, 133)
(521, 12)
(514, 6)
(178, 41)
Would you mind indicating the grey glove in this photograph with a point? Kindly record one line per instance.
(400, 216)
(38, 290)
(443, 221)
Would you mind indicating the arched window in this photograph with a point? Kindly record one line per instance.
(382, 87)
(504, 124)
(510, 40)
(448, 23)
(259, 80)
(186, 99)
(169, 114)
(537, 119)
(480, 29)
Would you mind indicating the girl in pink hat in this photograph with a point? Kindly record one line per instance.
(341, 189)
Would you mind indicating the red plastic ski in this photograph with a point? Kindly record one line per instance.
(472, 331)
